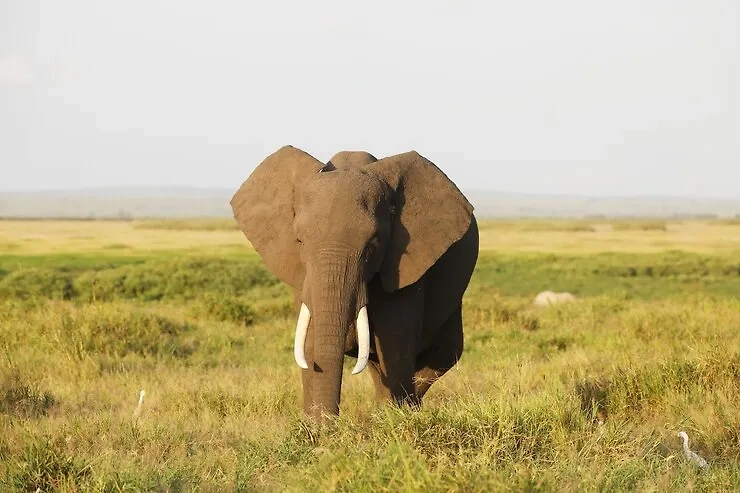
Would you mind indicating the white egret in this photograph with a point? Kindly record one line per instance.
(691, 455)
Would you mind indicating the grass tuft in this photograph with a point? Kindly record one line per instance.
(633, 389)
(224, 309)
(44, 465)
(100, 330)
(23, 399)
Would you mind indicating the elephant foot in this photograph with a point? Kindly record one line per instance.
(316, 424)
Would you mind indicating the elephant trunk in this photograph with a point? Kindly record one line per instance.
(337, 301)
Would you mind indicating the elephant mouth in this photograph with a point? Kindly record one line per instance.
(363, 338)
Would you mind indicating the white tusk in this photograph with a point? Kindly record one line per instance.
(363, 340)
(301, 329)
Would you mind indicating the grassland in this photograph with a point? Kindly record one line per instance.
(581, 397)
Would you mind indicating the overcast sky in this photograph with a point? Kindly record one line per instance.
(575, 97)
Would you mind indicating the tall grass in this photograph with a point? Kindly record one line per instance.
(580, 397)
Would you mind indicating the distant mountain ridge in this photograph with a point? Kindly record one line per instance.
(142, 202)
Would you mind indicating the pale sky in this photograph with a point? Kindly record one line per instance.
(573, 97)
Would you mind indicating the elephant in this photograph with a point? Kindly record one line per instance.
(378, 252)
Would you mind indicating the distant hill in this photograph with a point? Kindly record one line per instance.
(117, 203)
(500, 204)
(133, 203)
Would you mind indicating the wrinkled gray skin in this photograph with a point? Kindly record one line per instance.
(394, 235)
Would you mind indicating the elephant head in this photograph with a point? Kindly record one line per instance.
(328, 230)
(351, 159)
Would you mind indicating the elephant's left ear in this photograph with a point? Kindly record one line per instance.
(430, 215)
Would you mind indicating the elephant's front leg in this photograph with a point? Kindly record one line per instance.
(396, 320)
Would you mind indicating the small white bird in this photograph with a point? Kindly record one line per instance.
(137, 411)
(691, 455)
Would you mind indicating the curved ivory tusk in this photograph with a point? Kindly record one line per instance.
(363, 340)
(301, 329)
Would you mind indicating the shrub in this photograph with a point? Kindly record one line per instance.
(224, 309)
(37, 282)
(186, 278)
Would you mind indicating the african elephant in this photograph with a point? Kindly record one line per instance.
(379, 254)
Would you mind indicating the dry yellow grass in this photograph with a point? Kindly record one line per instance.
(43, 237)
(690, 236)
(581, 397)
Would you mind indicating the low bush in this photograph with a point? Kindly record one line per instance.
(223, 308)
(37, 282)
(185, 278)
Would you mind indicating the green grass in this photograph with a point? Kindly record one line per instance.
(586, 396)
(168, 276)
(670, 273)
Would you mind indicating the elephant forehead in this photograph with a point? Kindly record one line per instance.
(342, 189)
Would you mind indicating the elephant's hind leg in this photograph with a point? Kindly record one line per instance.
(442, 355)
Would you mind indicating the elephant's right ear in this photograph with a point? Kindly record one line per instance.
(263, 209)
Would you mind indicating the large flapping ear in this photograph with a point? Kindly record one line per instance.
(263, 208)
(430, 215)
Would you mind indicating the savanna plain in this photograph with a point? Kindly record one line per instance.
(586, 396)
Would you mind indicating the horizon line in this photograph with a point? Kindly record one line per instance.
(471, 190)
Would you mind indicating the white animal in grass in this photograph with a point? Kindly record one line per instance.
(551, 298)
(137, 411)
(690, 454)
